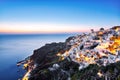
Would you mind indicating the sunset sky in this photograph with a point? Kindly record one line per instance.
(57, 16)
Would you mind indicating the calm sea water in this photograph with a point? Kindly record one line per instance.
(14, 48)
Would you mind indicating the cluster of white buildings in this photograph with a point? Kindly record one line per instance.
(101, 47)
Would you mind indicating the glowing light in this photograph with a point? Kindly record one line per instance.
(26, 76)
(99, 74)
(59, 54)
(87, 59)
(114, 47)
(25, 65)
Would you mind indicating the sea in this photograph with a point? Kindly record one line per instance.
(16, 47)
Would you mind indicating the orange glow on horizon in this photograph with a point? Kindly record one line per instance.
(37, 31)
(24, 28)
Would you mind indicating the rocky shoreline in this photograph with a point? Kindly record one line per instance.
(92, 56)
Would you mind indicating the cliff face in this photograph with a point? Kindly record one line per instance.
(92, 56)
(47, 52)
(46, 58)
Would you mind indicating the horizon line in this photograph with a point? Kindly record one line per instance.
(42, 32)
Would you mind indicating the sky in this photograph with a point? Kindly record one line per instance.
(57, 16)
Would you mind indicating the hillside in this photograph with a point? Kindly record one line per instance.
(91, 56)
